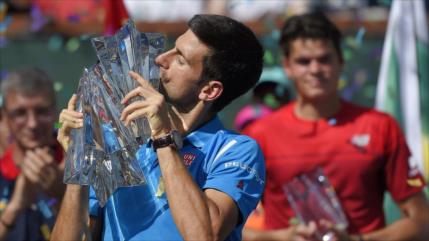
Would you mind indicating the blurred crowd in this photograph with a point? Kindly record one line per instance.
(72, 18)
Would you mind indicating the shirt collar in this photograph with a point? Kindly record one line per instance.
(202, 135)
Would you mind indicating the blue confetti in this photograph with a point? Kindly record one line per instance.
(359, 36)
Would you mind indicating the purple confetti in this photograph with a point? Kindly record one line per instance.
(3, 42)
(75, 18)
(52, 201)
(3, 73)
(39, 20)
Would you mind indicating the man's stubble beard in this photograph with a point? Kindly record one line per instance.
(178, 104)
(163, 92)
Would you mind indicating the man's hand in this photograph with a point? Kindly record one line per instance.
(41, 169)
(23, 195)
(69, 119)
(302, 232)
(153, 107)
(337, 234)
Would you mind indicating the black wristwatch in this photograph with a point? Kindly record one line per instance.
(172, 139)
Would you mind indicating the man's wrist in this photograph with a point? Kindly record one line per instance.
(9, 214)
(77, 188)
(6, 224)
(12, 208)
(161, 133)
(173, 138)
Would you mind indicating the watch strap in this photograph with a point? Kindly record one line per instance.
(163, 141)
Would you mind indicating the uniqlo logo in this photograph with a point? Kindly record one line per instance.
(188, 158)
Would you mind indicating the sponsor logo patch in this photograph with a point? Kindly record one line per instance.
(414, 169)
(415, 182)
(188, 158)
(251, 171)
(361, 140)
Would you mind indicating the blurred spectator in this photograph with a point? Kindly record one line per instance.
(271, 94)
(268, 95)
(115, 15)
(249, 114)
(172, 10)
(70, 18)
(362, 151)
(83, 11)
(31, 168)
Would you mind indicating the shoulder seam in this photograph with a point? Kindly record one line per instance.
(224, 149)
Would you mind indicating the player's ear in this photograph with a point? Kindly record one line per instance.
(211, 90)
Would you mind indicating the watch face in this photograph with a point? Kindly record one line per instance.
(177, 139)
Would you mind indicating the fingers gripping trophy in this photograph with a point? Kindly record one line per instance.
(105, 132)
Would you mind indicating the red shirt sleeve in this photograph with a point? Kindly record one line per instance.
(402, 178)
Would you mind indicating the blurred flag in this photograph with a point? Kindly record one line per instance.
(403, 82)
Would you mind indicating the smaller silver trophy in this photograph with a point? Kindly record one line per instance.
(313, 198)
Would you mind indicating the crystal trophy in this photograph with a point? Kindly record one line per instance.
(102, 154)
(313, 198)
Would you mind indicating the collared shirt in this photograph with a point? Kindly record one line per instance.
(363, 153)
(216, 159)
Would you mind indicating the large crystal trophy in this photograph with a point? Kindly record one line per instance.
(313, 198)
(102, 154)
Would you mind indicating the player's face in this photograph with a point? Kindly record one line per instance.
(180, 70)
(314, 67)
